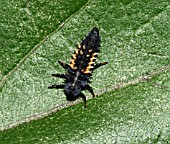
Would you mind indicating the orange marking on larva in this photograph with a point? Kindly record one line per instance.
(91, 63)
(73, 67)
(89, 67)
(81, 52)
(76, 51)
(74, 56)
(94, 54)
(90, 50)
(87, 55)
(86, 71)
(79, 46)
(93, 58)
(72, 64)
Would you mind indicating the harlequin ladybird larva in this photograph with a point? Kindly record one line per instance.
(79, 70)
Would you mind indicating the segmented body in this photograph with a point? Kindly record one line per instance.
(80, 68)
(84, 57)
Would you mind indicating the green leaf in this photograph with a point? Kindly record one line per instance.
(25, 24)
(134, 88)
(135, 114)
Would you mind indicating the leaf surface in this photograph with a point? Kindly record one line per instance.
(133, 106)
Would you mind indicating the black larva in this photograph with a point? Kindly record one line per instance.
(80, 68)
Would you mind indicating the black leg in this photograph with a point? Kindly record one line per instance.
(84, 99)
(59, 75)
(89, 88)
(100, 64)
(65, 66)
(56, 86)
